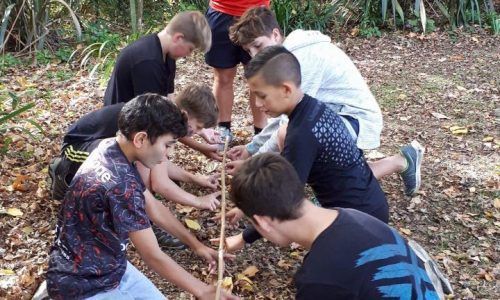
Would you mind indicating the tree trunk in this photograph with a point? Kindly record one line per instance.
(140, 11)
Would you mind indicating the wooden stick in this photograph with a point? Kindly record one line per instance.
(222, 238)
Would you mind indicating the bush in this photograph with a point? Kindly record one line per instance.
(30, 22)
(291, 14)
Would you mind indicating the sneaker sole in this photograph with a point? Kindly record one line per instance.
(52, 166)
(420, 156)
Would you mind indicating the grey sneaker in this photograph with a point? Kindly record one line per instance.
(414, 154)
(224, 132)
(165, 240)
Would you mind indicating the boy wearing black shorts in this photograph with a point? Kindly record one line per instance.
(224, 56)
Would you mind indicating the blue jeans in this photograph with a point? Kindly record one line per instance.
(134, 285)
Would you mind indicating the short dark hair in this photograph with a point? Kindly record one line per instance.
(199, 102)
(276, 65)
(255, 22)
(268, 185)
(154, 114)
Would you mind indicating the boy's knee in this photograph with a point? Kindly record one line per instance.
(225, 77)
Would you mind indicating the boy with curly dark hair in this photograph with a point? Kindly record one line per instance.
(106, 206)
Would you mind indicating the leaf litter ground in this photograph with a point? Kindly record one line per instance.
(441, 90)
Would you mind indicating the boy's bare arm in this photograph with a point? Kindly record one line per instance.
(162, 183)
(147, 246)
(163, 218)
(210, 151)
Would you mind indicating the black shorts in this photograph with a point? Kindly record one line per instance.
(62, 169)
(223, 54)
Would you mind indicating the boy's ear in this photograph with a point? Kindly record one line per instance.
(288, 87)
(177, 37)
(140, 138)
(264, 222)
(276, 34)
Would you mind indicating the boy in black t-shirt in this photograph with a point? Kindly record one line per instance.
(148, 66)
(107, 204)
(83, 136)
(317, 142)
(352, 255)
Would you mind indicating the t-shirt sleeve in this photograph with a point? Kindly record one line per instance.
(127, 207)
(150, 77)
(313, 291)
(300, 150)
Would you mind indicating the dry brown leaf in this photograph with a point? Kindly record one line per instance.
(21, 183)
(456, 130)
(496, 203)
(439, 115)
(4, 272)
(192, 224)
(250, 271)
(227, 284)
(15, 212)
(405, 231)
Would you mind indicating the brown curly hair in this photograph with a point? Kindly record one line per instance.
(255, 22)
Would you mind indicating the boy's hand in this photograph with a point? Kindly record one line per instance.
(209, 294)
(232, 217)
(211, 181)
(232, 167)
(211, 256)
(211, 151)
(211, 136)
(233, 243)
(209, 201)
(238, 153)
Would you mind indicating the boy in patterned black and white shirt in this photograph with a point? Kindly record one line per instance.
(107, 205)
(317, 142)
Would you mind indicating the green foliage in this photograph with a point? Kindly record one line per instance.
(200, 5)
(369, 30)
(63, 53)
(291, 14)
(415, 25)
(10, 111)
(102, 48)
(44, 57)
(8, 61)
(371, 14)
(26, 24)
(493, 22)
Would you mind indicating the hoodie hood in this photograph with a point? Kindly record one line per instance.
(301, 38)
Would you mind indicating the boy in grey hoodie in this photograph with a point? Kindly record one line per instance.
(330, 76)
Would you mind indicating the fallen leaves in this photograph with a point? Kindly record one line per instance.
(192, 224)
(15, 212)
(457, 130)
(227, 284)
(4, 272)
(439, 115)
(406, 231)
(250, 271)
(21, 183)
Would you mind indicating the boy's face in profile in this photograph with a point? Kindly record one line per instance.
(268, 228)
(180, 47)
(194, 126)
(263, 41)
(153, 154)
(271, 100)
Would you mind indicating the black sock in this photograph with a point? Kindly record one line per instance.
(257, 130)
(225, 124)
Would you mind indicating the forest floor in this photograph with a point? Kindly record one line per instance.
(442, 90)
